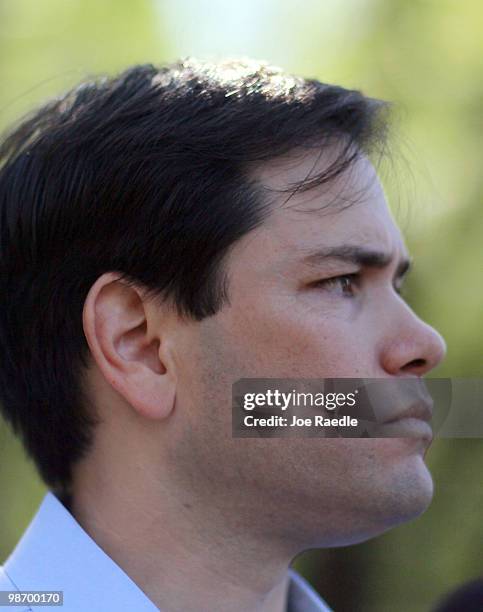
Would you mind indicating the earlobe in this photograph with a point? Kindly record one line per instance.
(131, 362)
(153, 397)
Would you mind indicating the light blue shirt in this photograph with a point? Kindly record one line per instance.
(56, 554)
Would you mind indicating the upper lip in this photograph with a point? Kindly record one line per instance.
(421, 410)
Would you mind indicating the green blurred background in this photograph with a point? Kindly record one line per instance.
(424, 55)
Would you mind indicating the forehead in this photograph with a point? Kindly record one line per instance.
(350, 210)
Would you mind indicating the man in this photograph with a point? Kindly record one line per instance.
(164, 234)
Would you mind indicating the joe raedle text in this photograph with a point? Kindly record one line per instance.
(316, 421)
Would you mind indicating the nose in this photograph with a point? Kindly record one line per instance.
(413, 348)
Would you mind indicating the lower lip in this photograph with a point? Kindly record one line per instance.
(405, 428)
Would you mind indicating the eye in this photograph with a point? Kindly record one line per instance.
(344, 284)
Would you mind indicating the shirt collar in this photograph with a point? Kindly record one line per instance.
(302, 597)
(56, 553)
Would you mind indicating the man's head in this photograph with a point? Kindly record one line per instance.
(151, 257)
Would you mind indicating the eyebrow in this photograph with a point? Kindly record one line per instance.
(362, 256)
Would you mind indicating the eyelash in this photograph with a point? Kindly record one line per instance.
(328, 283)
(353, 280)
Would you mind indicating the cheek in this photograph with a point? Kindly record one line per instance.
(284, 337)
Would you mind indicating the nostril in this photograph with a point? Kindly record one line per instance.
(415, 364)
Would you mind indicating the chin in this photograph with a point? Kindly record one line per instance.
(393, 497)
(407, 494)
(401, 495)
(405, 501)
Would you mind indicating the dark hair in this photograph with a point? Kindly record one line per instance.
(144, 174)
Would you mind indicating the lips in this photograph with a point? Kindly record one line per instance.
(402, 409)
(392, 400)
(422, 410)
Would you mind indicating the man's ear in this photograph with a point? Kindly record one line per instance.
(130, 346)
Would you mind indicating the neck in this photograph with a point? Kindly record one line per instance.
(180, 554)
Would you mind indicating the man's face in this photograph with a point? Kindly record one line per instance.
(298, 311)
